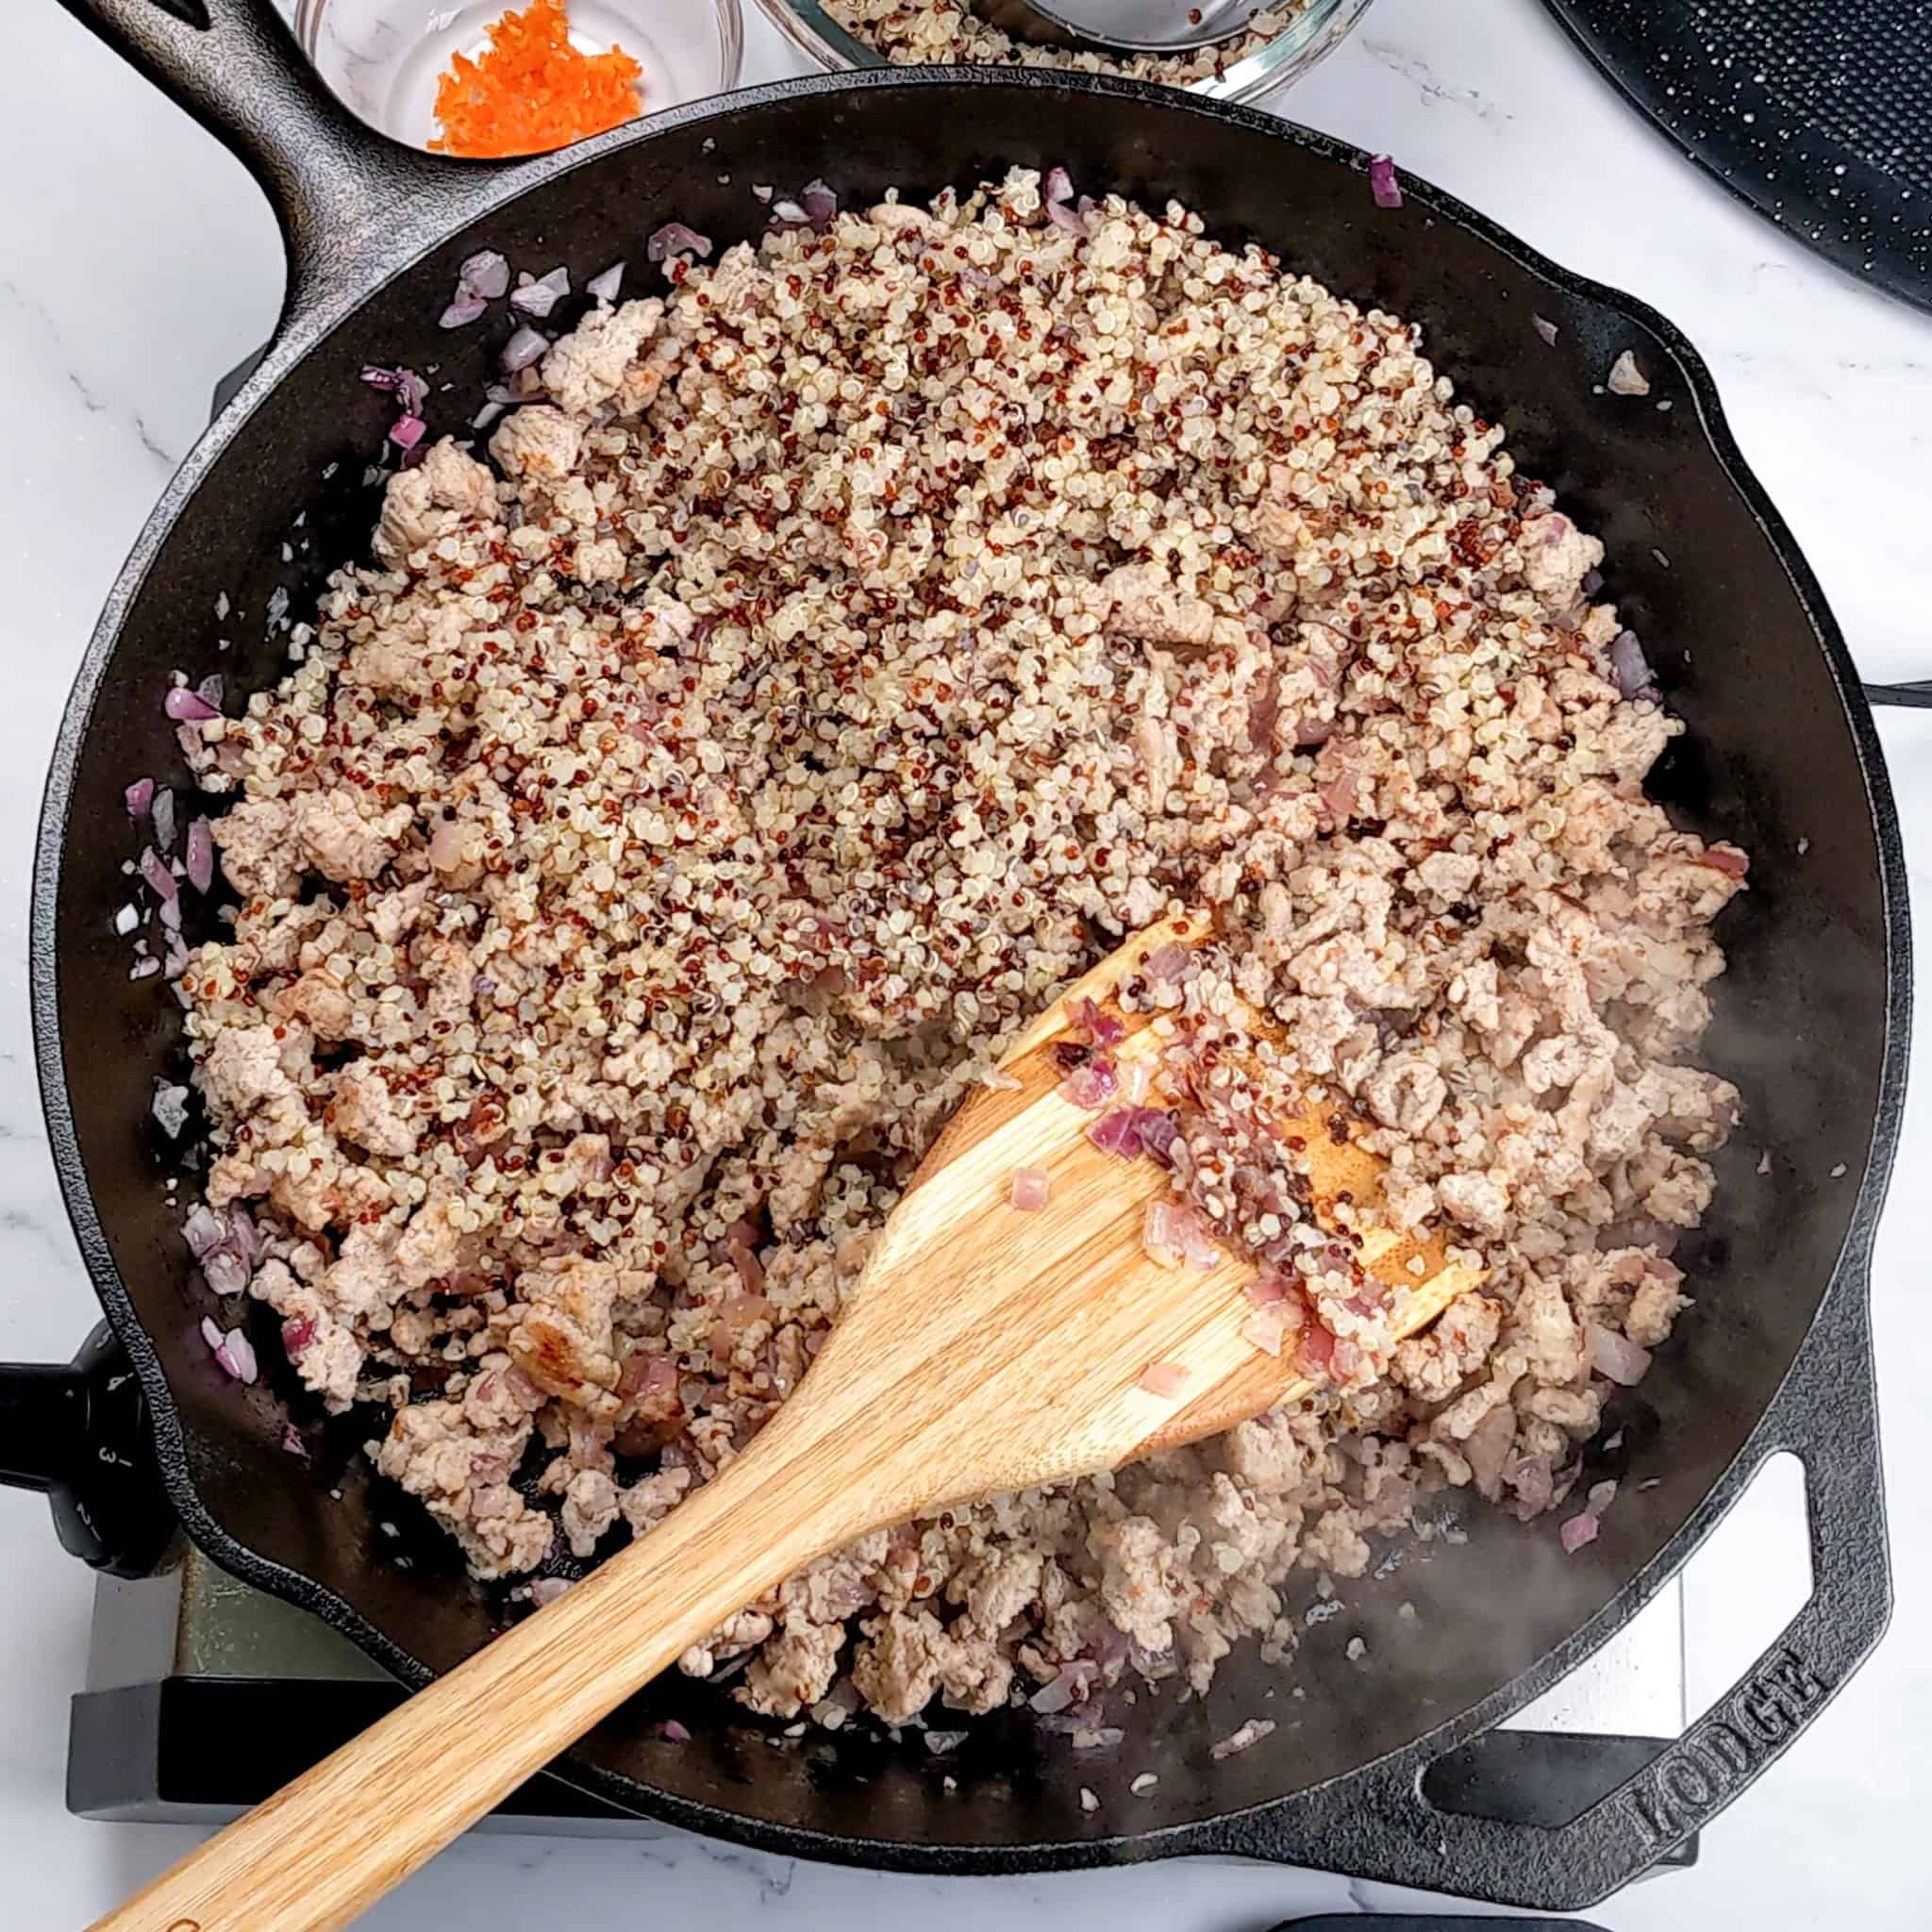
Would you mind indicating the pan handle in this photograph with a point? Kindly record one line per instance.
(1378, 1825)
(347, 197)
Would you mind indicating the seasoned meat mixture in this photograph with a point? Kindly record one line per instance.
(644, 854)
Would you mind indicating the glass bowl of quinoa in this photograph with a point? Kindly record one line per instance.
(1284, 40)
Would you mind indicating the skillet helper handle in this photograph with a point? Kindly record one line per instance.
(347, 198)
(1378, 1825)
(325, 1848)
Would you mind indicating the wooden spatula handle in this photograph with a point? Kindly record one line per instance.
(325, 1848)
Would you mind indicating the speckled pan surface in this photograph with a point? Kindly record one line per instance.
(1818, 113)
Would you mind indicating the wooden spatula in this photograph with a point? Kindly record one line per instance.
(985, 1348)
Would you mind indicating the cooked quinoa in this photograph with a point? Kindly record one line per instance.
(950, 33)
(648, 851)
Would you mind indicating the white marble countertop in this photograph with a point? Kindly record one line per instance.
(139, 263)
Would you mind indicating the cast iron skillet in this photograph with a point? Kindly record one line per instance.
(1780, 750)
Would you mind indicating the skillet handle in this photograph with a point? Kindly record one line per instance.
(347, 197)
(1378, 1825)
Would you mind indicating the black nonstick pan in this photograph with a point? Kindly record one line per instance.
(1780, 756)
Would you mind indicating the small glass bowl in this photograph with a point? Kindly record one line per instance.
(1310, 38)
(383, 57)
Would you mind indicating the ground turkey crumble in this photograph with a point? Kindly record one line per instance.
(644, 855)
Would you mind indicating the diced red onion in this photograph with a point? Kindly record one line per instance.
(143, 969)
(1601, 1496)
(941, 1742)
(1055, 192)
(1629, 667)
(186, 707)
(788, 214)
(604, 288)
(1266, 1328)
(1317, 1349)
(174, 960)
(225, 1272)
(1545, 328)
(201, 855)
(1113, 1133)
(1157, 1134)
(1201, 1248)
(486, 415)
(203, 1230)
(233, 1351)
(213, 690)
(819, 203)
(675, 238)
(1626, 378)
(1616, 1356)
(1101, 1029)
(544, 1591)
(243, 1236)
(292, 1443)
(674, 1731)
(405, 432)
(1166, 963)
(1032, 1186)
(140, 795)
(1577, 1532)
(171, 914)
(1164, 1379)
(978, 277)
(408, 389)
(1268, 1291)
(1091, 1085)
(465, 307)
(297, 1333)
(1729, 859)
(485, 274)
(526, 346)
(540, 297)
(160, 879)
(1382, 182)
(162, 814)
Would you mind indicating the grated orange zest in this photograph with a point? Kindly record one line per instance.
(531, 90)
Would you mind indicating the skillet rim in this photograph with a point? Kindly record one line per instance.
(311, 316)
